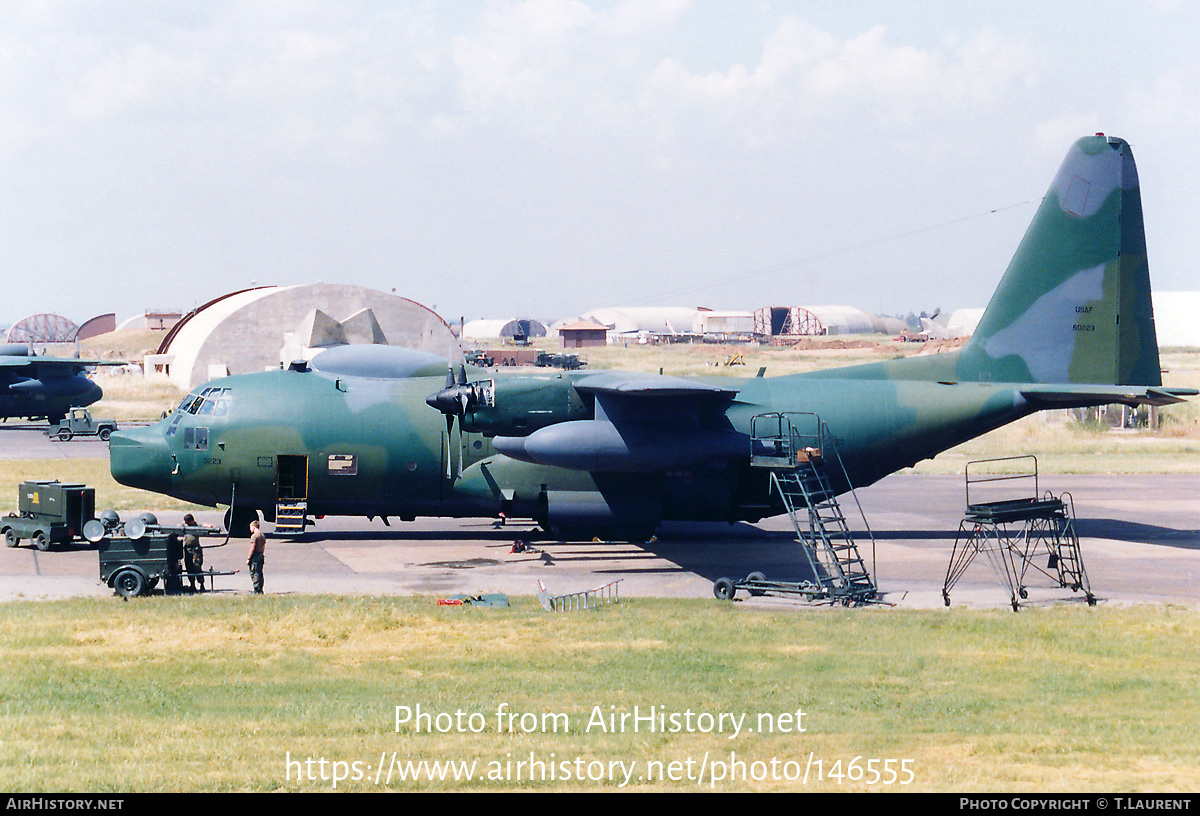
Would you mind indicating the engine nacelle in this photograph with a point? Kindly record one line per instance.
(520, 404)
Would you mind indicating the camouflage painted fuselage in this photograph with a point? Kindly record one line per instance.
(372, 447)
(379, 433)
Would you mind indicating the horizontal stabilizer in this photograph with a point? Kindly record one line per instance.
(1083, 396)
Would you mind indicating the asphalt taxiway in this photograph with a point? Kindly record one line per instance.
(1139, 538)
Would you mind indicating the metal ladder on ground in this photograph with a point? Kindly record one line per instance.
(801, 455)
(820, 524)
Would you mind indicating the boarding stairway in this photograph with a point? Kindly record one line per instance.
(802, 460)
(1012, 531)
(290, 516)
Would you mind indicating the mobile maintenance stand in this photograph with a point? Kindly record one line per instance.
(1011, 532)
(802, 462)
(136, 555)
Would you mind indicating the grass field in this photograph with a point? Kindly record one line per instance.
(206, 693)
(91, 472)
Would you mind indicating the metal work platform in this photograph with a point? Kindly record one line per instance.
(803, 463)
(1012, 531)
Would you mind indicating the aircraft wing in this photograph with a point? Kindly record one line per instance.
(1081, 396)
(623, 384)
(54, 365)
(643, 423)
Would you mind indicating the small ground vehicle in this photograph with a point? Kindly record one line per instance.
(49, 513)
(136, 556)
(79, 422)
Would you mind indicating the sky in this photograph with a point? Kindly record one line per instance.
(540, 158)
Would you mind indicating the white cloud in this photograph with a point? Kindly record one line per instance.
(1170, 101)
(515, 48)
(141, 77)
(808, 80)
(635, 17)
(619, 134)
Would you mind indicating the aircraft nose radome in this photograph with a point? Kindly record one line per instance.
(138, 457)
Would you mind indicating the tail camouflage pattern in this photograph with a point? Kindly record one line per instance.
(1074, 304)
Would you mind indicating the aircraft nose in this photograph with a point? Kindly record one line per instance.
(139, 457)
(91, 393)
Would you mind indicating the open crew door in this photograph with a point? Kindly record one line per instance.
(291, 494)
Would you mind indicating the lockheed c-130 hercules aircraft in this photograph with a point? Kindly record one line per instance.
(383, 431)
(44, 387)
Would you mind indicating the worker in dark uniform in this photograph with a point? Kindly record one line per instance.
(258, 548)
(193, 555)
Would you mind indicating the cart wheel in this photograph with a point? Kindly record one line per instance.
(723, 589)
(129, 583)
(759, 578)
(10, 538)
(41, 541)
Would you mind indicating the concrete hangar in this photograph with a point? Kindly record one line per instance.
(261, 328)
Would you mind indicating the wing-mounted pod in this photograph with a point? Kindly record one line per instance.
(640, 424)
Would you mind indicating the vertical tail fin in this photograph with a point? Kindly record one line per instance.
(1074, 304)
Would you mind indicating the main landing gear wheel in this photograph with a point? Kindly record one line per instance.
(239, 524)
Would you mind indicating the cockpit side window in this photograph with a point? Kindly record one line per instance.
(211, 401)
(208, 401)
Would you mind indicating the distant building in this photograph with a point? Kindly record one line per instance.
(726, 324)
(633, 320)
(516, 328)
(98, 325)
(42, 328)
(808, 321)
(263, 328)
(583, 334)
(152, 320)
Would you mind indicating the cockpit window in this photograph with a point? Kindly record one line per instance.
(209, 401)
